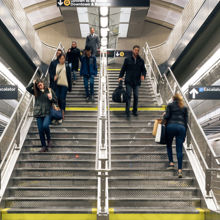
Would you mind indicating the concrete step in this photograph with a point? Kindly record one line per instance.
(48, 192)
(58, 181)
(154, 202)
(51, 202)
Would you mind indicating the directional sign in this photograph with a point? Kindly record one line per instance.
(100, 3)
(123, 53)
(8, 92)
(204, 92)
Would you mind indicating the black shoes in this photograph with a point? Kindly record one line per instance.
(135, 113)
(127, 114)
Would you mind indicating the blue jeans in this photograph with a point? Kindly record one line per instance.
(61, 92)
(73, 71)
(43, 124)
(178, 131)
(86, 85)
(129, 90)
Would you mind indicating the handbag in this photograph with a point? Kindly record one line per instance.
(156, 122)
(161, 134)
(55, 113)
(119, 95)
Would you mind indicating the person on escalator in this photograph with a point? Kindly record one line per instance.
(52, 69)
(44, 98)
(73, 57)
(63, 82)
(135, 71)
(88, 71)
(176, 119)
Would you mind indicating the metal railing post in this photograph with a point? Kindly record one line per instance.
(103, 144)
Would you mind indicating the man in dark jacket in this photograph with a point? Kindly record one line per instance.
(93, 41)
(135, 72)
(73, 57)
(52, 69)
(89, 71)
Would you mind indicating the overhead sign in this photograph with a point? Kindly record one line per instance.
(8, 92)
(100, 3)
(204, 92)
(122, 53)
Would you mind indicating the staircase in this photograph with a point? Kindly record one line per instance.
(139, 181)
(63, 179)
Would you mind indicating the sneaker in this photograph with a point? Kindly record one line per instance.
(87, 98)
(170, 167)
(60, 121)
(180, 174)
(74, 82)
(92, 98)
(54, 122)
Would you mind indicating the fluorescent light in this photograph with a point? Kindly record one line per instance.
(203, 70)
(123, 30)
(125, 15)
(83, 15)
(104, 32)
(104, 41)
(104, 11)
(8, 75)
(104, 22)
(84, 28)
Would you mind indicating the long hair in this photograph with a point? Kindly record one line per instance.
(36, 89)
(179, 99)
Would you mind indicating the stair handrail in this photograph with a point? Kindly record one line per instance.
(103, 163)
(16, 130)
(197, 145)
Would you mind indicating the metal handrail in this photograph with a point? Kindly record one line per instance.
(6, 130)
(103, 151)
(192, 140)
(17, 120)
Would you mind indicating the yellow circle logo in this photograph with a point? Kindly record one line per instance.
(66, 2)
(122, 54)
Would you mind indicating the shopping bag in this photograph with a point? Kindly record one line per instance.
(161, 134)
(156, 122)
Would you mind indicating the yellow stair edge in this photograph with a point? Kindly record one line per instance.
(112, 216)
(162, 108)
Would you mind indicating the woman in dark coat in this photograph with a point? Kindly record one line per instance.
(176, 118)
(44, 97)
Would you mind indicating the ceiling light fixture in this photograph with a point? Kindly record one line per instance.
(104, 22)
(104, 11)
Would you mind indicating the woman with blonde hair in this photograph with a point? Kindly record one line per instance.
(176, 117)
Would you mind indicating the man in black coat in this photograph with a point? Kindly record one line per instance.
(73, 57)
(93, 41)
(135, 73)
(52, 69)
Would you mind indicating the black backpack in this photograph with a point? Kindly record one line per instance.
(119, 95)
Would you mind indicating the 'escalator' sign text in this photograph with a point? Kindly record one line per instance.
(204, 92)
(8, 92)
